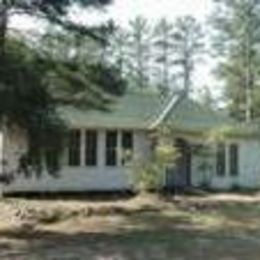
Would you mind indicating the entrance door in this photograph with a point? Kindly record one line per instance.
(180, 175)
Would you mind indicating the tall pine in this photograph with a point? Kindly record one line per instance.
(34, 81)
(189, 46)
(236, 40)
(163, 51)
(139, 52)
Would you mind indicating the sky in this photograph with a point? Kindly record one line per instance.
(121, 11)
(124, 10)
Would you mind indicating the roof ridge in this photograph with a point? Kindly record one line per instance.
(174, 101)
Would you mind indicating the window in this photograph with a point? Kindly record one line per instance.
(91, 148)
(111, 148)
(127, 146)
(221, 160)
(233, 159)
(74, 148)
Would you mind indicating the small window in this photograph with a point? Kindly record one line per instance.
(91, 148)
(74, 148)
(111, 148)
(233, 159)
(221, 160)
(127, 146)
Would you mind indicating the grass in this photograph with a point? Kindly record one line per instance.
(189, 228)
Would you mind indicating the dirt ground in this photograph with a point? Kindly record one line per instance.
(213, 227)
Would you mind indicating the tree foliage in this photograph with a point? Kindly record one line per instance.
(155, 56)
(189, 45)
(139, 52)
(236, 41)
(148, 173)
(164, 55)
(37, 77)
(26, 102)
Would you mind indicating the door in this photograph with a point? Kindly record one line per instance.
(180, 175)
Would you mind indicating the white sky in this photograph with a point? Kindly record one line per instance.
(124, 10)
(121, 11)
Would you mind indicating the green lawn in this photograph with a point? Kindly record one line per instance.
(191, 228)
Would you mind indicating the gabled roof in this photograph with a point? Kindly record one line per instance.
(136, 109)
(189, 115)
(145, 110)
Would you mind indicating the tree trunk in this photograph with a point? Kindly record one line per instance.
(186, 79)
(250, 84)
(3, 27)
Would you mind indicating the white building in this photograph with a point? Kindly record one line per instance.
(93, 160)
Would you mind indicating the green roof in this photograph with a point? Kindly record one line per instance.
(133, 110)
(189, 115)
(142, 110)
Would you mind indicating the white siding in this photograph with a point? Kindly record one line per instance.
(104, 178)
(249, 168)
(99, 178)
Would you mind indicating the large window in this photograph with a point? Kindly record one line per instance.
(111, 148)
(74, 148)
(127, 146)
(91, 148)
(83, 148)
(233, 159)
(221, 159)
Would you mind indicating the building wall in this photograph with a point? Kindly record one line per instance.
(82, 178)
(248, 164)
(104, 178)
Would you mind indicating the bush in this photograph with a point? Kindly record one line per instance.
(148, 173)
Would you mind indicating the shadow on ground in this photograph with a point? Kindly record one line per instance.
(138, 237)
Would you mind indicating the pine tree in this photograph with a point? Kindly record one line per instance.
(36, 78)
(119, 49)
(139, 52)
(164, 53)
(188, 44)
(236, 40)
(53, 11)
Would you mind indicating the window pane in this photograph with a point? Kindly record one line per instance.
(74, 148)
(127, 146)
(233, 157)
(111, 148)
(91, 148)
(221, 160)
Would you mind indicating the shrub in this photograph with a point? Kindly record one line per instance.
(148, 173)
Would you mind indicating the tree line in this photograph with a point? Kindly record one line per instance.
(73, 64)
(161, 56)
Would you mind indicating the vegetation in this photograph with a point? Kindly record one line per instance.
(189, 45)
(162, 56)
(236, 40)
(148, 173)
(70, 64)
(37, 76)
(139, 55)
(164, 49)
